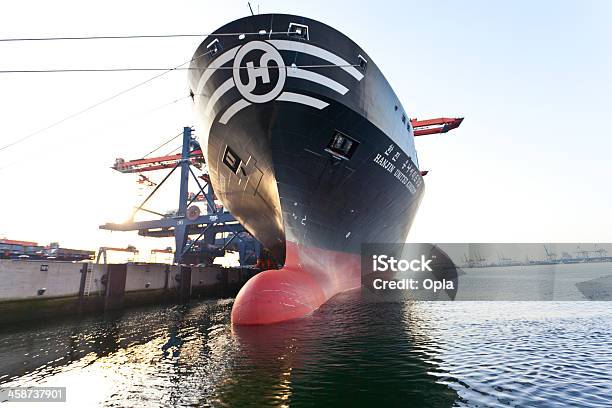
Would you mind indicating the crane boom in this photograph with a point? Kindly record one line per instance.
(434, 126)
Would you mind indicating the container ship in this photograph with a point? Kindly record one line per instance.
(309, 147)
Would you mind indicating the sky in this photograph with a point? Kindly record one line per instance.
(530, 163)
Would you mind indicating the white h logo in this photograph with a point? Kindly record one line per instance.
(262, 71)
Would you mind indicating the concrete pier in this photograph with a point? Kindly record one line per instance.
(38, 289)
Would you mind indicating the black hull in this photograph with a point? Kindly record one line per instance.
(272, 162)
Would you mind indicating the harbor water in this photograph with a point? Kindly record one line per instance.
(350, 352)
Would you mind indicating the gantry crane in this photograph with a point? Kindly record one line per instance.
(187, 221)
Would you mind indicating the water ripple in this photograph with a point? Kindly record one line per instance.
(353, 351)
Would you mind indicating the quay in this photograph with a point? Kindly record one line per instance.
(44, 289)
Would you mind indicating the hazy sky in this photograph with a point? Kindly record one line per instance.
(531, 162)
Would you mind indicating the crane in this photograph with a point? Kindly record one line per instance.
(550, 256)
(434, 126)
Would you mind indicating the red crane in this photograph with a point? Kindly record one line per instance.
(156, 163)
(433, 126)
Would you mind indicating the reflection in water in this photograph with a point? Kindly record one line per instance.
(174, 343)
(356, 350)
(347, 353)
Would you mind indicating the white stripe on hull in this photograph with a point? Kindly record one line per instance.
(232, 110)
(284, 97)
(310, 49)
(212, 67)
(303, 99)
(318, 78)
(219, 92)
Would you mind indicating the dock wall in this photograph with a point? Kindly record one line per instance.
(34, 289)
(22, 279)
